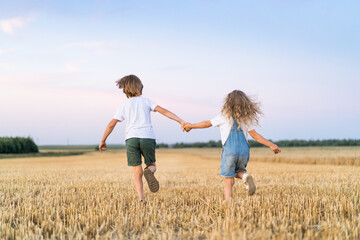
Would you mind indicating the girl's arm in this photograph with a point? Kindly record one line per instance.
(203, 124)
(110, 127)
(264, 141)
(169, 114)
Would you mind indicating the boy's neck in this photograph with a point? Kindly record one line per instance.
(133, 96)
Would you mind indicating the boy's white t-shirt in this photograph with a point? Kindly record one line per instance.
(225, 125)
(136, 112)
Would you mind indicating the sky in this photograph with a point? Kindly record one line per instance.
(59, 61)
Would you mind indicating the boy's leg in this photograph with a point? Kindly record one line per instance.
(134, 160)
(229, 183)
(138, 174)
(147, 147)
(153, 183)
(152, 167)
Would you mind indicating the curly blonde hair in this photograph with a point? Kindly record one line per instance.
(244, 109)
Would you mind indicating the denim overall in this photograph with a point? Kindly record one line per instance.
(235, 152)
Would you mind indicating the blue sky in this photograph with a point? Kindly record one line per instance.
(59, 61)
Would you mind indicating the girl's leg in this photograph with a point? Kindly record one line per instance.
(138, 173)
(248, 181)
(229, 183)
(239, 175)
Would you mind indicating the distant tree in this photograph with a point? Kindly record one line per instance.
(282, 143)
(17, 145)
(255, 144)
(162, 145)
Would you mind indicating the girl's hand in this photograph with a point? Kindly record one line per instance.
(275, 148)
(102, 146)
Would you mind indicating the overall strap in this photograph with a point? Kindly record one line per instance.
(235, 125)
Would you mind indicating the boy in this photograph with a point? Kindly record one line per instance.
(139, 134)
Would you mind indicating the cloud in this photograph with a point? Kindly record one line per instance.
(70, 68)
(9, 25)
(85, 45)
(7, 51)
(73, 66)
(4, 65)
(94, 47)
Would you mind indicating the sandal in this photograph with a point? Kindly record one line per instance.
(151, 180)
(250, 185)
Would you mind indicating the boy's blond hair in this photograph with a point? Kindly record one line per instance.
(131, 85)
(239, 106)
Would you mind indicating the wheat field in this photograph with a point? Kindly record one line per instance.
(299, 196)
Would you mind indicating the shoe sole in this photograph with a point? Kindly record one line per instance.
(251, 184)
(151, 180)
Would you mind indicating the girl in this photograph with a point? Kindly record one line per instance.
(238, 116)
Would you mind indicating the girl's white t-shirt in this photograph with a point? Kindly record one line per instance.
(136, 112)
(225, 125)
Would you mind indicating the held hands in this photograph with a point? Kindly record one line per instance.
(102, 146)
(185, 126)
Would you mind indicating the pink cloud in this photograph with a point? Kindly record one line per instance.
(9, 25)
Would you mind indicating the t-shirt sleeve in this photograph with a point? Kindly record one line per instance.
(218, 120)
(249, 127)
(152, 105)
(119, 115)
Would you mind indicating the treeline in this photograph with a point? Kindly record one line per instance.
(210, 144)
(282, 143)
(17, 145)
(318, 143)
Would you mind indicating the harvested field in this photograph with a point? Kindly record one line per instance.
(92, 196)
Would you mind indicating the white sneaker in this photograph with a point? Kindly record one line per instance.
(249, 184)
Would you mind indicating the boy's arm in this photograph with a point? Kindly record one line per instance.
(203, 124)
(169, 114)
(264, 141)
(110, 127)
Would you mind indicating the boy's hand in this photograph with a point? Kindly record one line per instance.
(275, 148)
(102, 146)
(183, 124)
(187, 127)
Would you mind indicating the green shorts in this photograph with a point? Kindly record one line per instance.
(135, 147)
